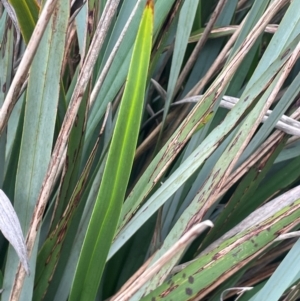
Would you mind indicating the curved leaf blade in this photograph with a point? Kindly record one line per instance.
(11, 229)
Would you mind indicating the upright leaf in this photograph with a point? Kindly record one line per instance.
(38, 131)
(111, 194)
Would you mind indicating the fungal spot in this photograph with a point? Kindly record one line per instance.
(4, 88)
(189, 291)
(191, 279)
(183, 275)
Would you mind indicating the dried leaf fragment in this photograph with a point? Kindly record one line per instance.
(11, 229)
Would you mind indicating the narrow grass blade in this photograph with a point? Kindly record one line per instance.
(117, 170)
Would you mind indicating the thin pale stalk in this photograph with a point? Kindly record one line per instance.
(258, 155)
(215, 66)
(192, 59)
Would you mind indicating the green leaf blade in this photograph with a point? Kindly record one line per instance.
(109, 201)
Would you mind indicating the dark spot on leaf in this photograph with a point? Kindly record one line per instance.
(189, 291)
(191, 279)
(183, 275)
(247, 97)
(153, 299)
(236, 253)
(4, 88)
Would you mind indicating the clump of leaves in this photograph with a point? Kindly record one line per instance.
(150, 149)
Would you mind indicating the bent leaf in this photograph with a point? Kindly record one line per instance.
(11, 229)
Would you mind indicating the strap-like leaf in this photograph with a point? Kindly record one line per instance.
(106, 212)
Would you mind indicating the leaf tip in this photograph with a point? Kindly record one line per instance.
(150, 5)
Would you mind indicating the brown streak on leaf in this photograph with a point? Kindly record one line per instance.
(62, 233)
(216, 174)
(285, 54)
(235, 141)
(168, 291)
